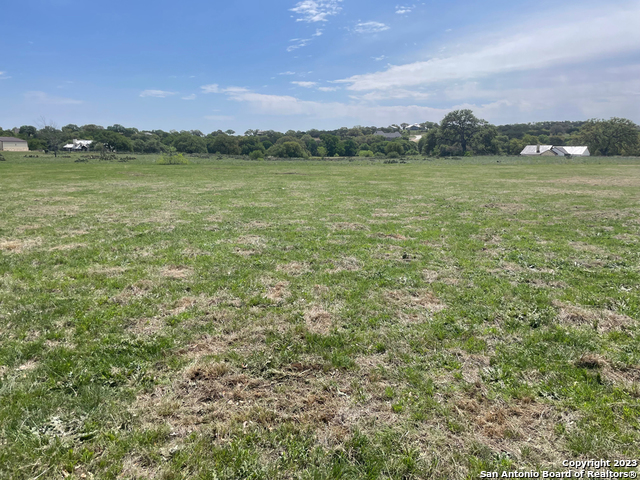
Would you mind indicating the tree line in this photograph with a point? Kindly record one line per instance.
(459, 133)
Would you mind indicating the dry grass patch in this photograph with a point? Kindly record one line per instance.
(348, 226)
(278, 292)
(601, 320)
(412, 299)
(176, 272)
(345, 264)
(69, 246)
(318, 320)
(18, 246)
(140, 289)
(294, 268)
(146, 326)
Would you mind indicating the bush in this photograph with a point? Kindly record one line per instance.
(365, 153)
(393, 155)
(256, 155)
(173, 160)
(2, 159)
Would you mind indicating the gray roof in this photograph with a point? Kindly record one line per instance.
(11, 139)
(388, 135)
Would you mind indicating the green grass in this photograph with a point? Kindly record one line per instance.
(324, 319)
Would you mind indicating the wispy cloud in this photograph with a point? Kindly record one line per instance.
(190, 97)
(312, 11)
(287, 73)
(305, 84)
(401, 9)
(378, 59)
(393, 94)
(328, 89)
(219, 118)
(213, 88)
(370, 27)
(318, 33)
(3, 76)
(299, 43)
(611, 32)
(157, 93)
(44, 98)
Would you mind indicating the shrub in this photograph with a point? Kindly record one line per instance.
(393, 154)
(256, 154)
(365, 153)
(2, 159)
(173, 160)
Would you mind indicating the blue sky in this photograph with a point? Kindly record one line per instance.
(316, 63)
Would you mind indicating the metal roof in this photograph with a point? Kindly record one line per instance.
(11, 139)
(561, 151)
(577, 150)
(533, 149)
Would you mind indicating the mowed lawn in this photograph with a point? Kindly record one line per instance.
(232, 319)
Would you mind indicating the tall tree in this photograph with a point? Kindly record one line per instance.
(460, 126)
(610, 137)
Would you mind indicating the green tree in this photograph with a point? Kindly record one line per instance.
(615, 136)
(394, 147)
(350, 147)
(287, 150)
(223, 144)
(459, 126)
(28, 131)
(187, 143)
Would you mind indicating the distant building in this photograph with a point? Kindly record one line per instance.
(12, 144)
(414, 128)
(554, 151)
(78, 146)
(388, 136)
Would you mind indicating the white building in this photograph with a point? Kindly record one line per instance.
(553, 151)
(78, 146)
(12, 144)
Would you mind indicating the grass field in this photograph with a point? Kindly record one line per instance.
(232, 319)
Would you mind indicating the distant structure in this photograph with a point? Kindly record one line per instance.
(388, 136)
(554, 151)
(78, 146)
(414, 128)
(12, 144)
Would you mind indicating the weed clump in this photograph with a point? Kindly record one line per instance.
(173, 160)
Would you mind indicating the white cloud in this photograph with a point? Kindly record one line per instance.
(157, 93)
(213, 88)
(287, 73)
(327, 89)
(588, 36)
(394, 94)
(318, 33)
(312, 11)
(3, 76)
(370, 27)
(378, 59)
(281, 105)
(401, 10)
(234, 90)
(44, 98)
(305, 84)
(190, 97)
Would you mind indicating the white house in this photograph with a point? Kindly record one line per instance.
(12, 144)
(78, 146)
(553, 151)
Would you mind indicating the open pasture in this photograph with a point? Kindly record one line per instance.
(231, 319)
